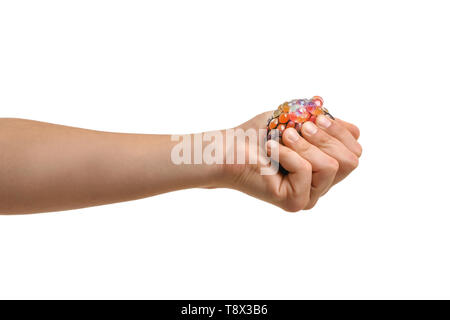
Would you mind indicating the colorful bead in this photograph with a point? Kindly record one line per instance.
(293, 114)
(304, 117)
(290, 124)
(273, 123)
(283, 118)
(293, 105)
(318, 111)
(281, 127)
(311, 107)
(302, 110)
(318, 101)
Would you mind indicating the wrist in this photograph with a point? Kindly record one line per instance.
(226, 170)
(217, 173)
(198, 160)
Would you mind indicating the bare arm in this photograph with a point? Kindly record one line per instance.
(46, 167)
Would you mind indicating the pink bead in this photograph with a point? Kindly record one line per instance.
(318, 101)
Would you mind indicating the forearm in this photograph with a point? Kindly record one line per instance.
(45, 167)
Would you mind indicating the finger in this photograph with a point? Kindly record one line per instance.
(324, 167)
(354, 130)
(294, 190)
(348, 161)
(340, 132)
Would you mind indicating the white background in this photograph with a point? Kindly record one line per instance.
(190, 66)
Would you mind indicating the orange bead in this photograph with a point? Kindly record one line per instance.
(290, 124)
(293, 116)
(318, 111)
(281, 128)
(273, 124)
(285, 107)
(303, 117)
(284, 117)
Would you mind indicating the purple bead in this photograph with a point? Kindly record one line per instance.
(311, 106)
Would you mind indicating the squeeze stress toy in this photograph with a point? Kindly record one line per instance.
(293, 114)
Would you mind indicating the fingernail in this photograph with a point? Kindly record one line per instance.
(323, 121)
(309, 128)
(291, 135)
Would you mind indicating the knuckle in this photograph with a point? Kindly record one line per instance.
(332, 165)
(305, 166)
(310, 205)
(358, 150)
(289, 208)
(352, 161)
(295, 204)
(357, 132)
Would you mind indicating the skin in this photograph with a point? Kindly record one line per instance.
(315, 163)
(46, 167)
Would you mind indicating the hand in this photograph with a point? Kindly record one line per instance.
(315, 163)
(331, 146)
(336, 138)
